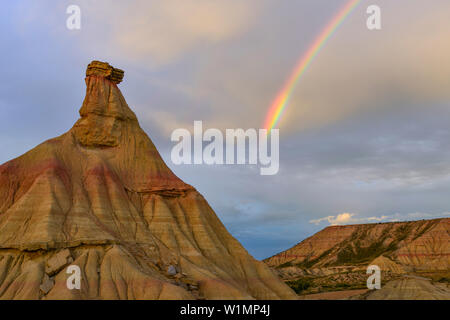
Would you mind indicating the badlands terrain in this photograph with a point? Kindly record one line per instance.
(100, 197)
(414, 258)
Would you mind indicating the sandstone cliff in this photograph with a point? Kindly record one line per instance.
(101, 197)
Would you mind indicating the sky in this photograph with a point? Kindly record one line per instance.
(365, 137)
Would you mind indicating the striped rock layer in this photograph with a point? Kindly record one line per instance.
(100, 197)
(399, 247)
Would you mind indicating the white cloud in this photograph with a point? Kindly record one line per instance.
(342, 218)
(350, 218)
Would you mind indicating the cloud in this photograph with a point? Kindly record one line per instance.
(349, 218)
(342, 218)
(162, 32)
(230, 58)
(366, 130)
(359, 70)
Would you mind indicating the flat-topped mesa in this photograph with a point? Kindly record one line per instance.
(104, 69)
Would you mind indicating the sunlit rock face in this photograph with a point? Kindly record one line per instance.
(399, 247)
(100, 197)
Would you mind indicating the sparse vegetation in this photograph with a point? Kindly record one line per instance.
(444, 280)
(428, 225)
(342, 267)
(300, 285)
(284, 265)
(341, 281)
(309, 263)
(356, 254)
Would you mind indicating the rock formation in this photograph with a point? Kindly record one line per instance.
(101, 198)
(422, 246)
(408, 288)
(333, 262)
(103, 69)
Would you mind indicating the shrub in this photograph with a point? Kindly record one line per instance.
(300, 285)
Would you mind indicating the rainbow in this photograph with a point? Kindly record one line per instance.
(281, 101)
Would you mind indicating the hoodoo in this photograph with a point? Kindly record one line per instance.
(101, 198)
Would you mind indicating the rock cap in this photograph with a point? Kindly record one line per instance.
(104, 69)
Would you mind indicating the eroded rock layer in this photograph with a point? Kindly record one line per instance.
(100, 197)
(398, 247)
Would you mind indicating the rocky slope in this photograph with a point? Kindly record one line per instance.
(101, 197)
(408, 288)
(398, 247)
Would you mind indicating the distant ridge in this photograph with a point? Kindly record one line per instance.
(422, 245)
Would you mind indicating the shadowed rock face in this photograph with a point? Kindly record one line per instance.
(398, 247)
(101, 197)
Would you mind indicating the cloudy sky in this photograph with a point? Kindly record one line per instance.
(365, 137)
